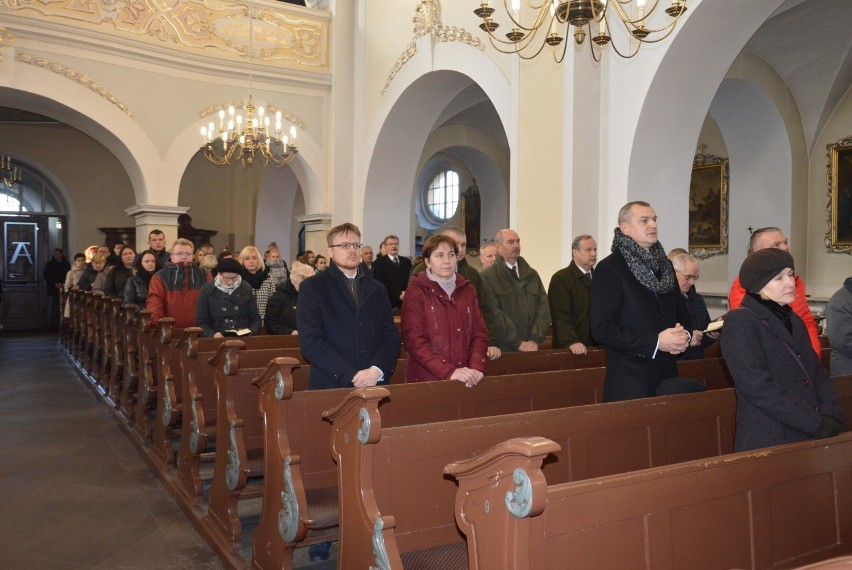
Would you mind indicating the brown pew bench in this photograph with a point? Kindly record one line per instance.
(300, 475)
(392, 492)
(169, 397)
(549, 359)
(199, 401)
(770, 508)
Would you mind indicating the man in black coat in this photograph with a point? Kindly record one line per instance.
(345, 322)
(638, 313)
(392, 270)
(55, 271)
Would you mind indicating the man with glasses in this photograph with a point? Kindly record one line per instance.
(173, 291)
(764, 238)
(688, 272)
(345, 326)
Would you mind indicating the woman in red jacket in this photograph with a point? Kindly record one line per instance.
(443, 331)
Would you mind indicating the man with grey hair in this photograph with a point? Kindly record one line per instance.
(568, 295)
(638, 313)
(392, 271)
(688, 271)
(519, 313)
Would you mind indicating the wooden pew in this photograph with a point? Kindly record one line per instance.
(769, 508)
(392, 493)
(300, 475)
(146, 351)
(391, 488)
(130, 369)
(199, 397)
(549, 359)
(115, 350)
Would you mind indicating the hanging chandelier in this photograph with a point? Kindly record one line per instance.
(246, 133)
(9, 173)
(552, 20)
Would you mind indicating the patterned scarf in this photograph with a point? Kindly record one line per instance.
(225, 288)
(650, 267)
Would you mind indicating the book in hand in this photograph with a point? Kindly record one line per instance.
(714, 326)
(241, 332)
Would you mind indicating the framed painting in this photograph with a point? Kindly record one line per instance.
(838, 238)
(708, 206)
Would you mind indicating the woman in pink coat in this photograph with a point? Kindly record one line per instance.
(443, 331)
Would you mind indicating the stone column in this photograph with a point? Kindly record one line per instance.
(149, 217)
(316, 228)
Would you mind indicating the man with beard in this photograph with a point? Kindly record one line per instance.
(568, 295)
(345, 326)
(638, 313)
(517, 302)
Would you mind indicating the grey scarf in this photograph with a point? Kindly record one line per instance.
(650, 267)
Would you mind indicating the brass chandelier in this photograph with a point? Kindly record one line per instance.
(9, 173)
(552, 20)
(246, 133)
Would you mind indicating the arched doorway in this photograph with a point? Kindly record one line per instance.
(33, 222)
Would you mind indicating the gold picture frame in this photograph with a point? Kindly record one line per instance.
(838, 238)
(708, 206)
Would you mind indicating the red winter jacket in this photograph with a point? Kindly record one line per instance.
(440, 333)
(173, 292)
(799, 306)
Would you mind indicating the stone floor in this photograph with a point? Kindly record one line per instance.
(74, 493)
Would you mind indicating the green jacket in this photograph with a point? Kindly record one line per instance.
(569, 307)
(472, 275)
(519, 309)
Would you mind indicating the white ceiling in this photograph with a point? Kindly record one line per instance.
(809, 44)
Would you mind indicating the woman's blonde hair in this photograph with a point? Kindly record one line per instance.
(301, 271)
(248, 249)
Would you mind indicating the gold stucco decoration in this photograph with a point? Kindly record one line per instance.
(427, 20)
(6, 39)
(283, 36)
(75, 76)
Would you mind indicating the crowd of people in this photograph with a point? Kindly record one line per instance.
(639, 302)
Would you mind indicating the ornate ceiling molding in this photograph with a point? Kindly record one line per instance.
(427, 20)
(75, 76)
(6, 39)
(282, 36)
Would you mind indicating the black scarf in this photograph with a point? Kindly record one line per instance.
(145, 276)
(781, 311)
(651, 267)
(255, 279)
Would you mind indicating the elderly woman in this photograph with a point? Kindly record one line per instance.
(281, 309)
(226, 306)
(442, 328)
(256, 274)
(783, 392)
(136, 289)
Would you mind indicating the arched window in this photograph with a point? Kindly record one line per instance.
(10, 203)
(443, 196)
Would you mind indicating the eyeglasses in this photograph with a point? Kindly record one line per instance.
(181, 254)
(689, 277)
(348, 245)
(228, 279)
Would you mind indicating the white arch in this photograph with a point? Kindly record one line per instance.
(52, 95)
(403, 122)
(653, 125)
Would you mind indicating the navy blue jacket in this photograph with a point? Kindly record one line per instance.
(339, 338)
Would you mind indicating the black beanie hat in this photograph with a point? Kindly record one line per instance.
(760, 267)
(229, 265)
